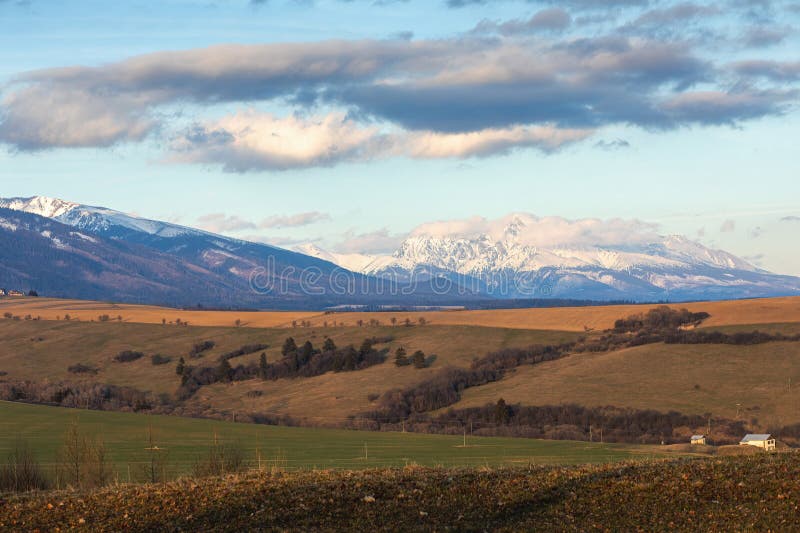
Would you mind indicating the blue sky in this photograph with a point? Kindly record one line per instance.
(351, 123)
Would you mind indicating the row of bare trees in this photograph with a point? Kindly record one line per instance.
(82, 462)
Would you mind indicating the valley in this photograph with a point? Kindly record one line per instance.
(755, 385)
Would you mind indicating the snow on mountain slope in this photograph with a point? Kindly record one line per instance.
(94, 219)
(99, 219)
(98, 253)
(39, 205)
(527, 256)
(352, 262)
(519, 255)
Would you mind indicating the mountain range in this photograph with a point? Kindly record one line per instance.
(64, 249)
(512, 262)
(69, 250)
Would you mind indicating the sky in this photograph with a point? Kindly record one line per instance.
(351, 123)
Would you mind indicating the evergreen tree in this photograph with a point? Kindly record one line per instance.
(306, 352)
(418, 359)
(400, 358)
(262, 366)
(289, 346)
(180, 367)
(328, 345)
(366, 348)
(502, 412)
(224, 371)
(350, 358)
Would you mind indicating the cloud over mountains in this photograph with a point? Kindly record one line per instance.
(506, 85)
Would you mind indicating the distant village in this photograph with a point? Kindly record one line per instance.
(14, 292)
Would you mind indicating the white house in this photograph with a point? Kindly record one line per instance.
(760, 440)
(698, 439)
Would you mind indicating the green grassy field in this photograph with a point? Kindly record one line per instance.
(126, 437)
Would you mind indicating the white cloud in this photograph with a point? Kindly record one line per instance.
(251, 140)
(375, 242)
(42, 116)
(292, 221)
(488, 142)
(544, 231)
(222, 223)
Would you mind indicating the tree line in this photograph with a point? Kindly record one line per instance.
(296, 361)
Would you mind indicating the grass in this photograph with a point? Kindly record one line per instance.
(733, 312)
(39, 350)
(764, 380)
(757, 493)
(125, 436)
(85, 310)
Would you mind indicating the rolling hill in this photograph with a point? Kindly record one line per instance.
(578, 319)
(692, 379)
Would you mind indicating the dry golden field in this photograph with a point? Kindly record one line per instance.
(86, 311)
(759, 382)
(43, 350)
(756, 311)
(764, 380)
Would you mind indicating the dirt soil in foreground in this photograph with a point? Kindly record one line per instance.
(757, 493)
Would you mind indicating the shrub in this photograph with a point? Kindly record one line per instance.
(126, 356)
(201, 347)
(244, 350)
(81, 368)
(21, 472)
(220, 459)
(159, 359)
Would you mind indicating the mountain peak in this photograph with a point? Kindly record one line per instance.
(44, 206)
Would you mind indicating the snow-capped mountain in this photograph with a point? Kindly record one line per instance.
(39, 205)
(164, 263)
(94, 219)
(515, 261)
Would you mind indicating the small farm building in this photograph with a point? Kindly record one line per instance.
(698, 439)
(759, 440)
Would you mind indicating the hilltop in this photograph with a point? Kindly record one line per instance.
(723, 313)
